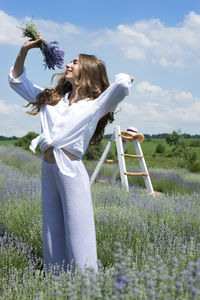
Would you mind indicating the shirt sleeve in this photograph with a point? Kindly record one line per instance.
(24, 87)
(114, 94)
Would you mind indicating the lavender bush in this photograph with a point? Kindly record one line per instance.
(121, 281)
(148, 247)
(20, 160)
(20, 190)
(163, 180)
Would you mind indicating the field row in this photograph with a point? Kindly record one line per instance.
(148, 247)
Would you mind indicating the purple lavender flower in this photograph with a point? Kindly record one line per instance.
(53, 57)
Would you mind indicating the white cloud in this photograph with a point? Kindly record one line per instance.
(192, 20)
(153, 109)
(52, 30)
(154, 112)
(183, 97)
(145, 91)
(14, 120)
(134, 53)
(151, 40)
(147, 40)
(163, 62)
(146, 88)
(190, 114)
(9, 109)
(11, 34)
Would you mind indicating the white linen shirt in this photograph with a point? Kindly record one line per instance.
(70, 127)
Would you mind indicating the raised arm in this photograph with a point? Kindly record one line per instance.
(17, 76)
(115, 93)
(19, 63)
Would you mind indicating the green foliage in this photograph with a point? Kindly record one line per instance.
(186, 157)
(160, 148)
(147, 140)
(195, 143)
(174, 139)
(24, 142)
(194, 167)
(153, 160)
(5, 138)
(95, 152)
(30, 31)
(7, 142)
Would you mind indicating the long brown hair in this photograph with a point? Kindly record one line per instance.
(91, 82)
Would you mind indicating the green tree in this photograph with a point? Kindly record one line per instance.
(187, 158)
(94, 152)
(25, 141)
(160, 148)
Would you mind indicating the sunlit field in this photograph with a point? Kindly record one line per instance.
(148, 246)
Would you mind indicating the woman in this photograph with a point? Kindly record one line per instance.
(73, 114)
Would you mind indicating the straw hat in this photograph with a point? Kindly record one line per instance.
(134, 132)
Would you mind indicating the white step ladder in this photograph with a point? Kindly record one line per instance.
(121, 142)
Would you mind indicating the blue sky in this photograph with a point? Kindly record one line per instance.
(157, 42)
(99, 14)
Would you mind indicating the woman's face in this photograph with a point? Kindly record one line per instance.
(72, 70)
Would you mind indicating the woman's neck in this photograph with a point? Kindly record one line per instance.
(74, 96)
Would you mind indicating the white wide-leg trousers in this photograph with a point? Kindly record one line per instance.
(68, 219)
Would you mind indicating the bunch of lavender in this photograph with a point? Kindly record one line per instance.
(53, 57)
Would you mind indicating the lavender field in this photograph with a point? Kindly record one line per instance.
(148, 247)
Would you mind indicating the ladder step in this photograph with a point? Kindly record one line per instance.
(133, 155)
(111, 161)
(136, 174)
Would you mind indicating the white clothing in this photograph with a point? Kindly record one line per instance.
(70, 127)
(68, 219)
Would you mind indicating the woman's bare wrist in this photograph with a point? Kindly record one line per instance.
(19, 63)
(23, 51)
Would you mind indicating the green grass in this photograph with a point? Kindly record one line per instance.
(152, 160)
(148, 148)
(7, 142)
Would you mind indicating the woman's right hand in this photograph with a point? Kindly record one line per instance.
(29, 44)
(19, 63)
